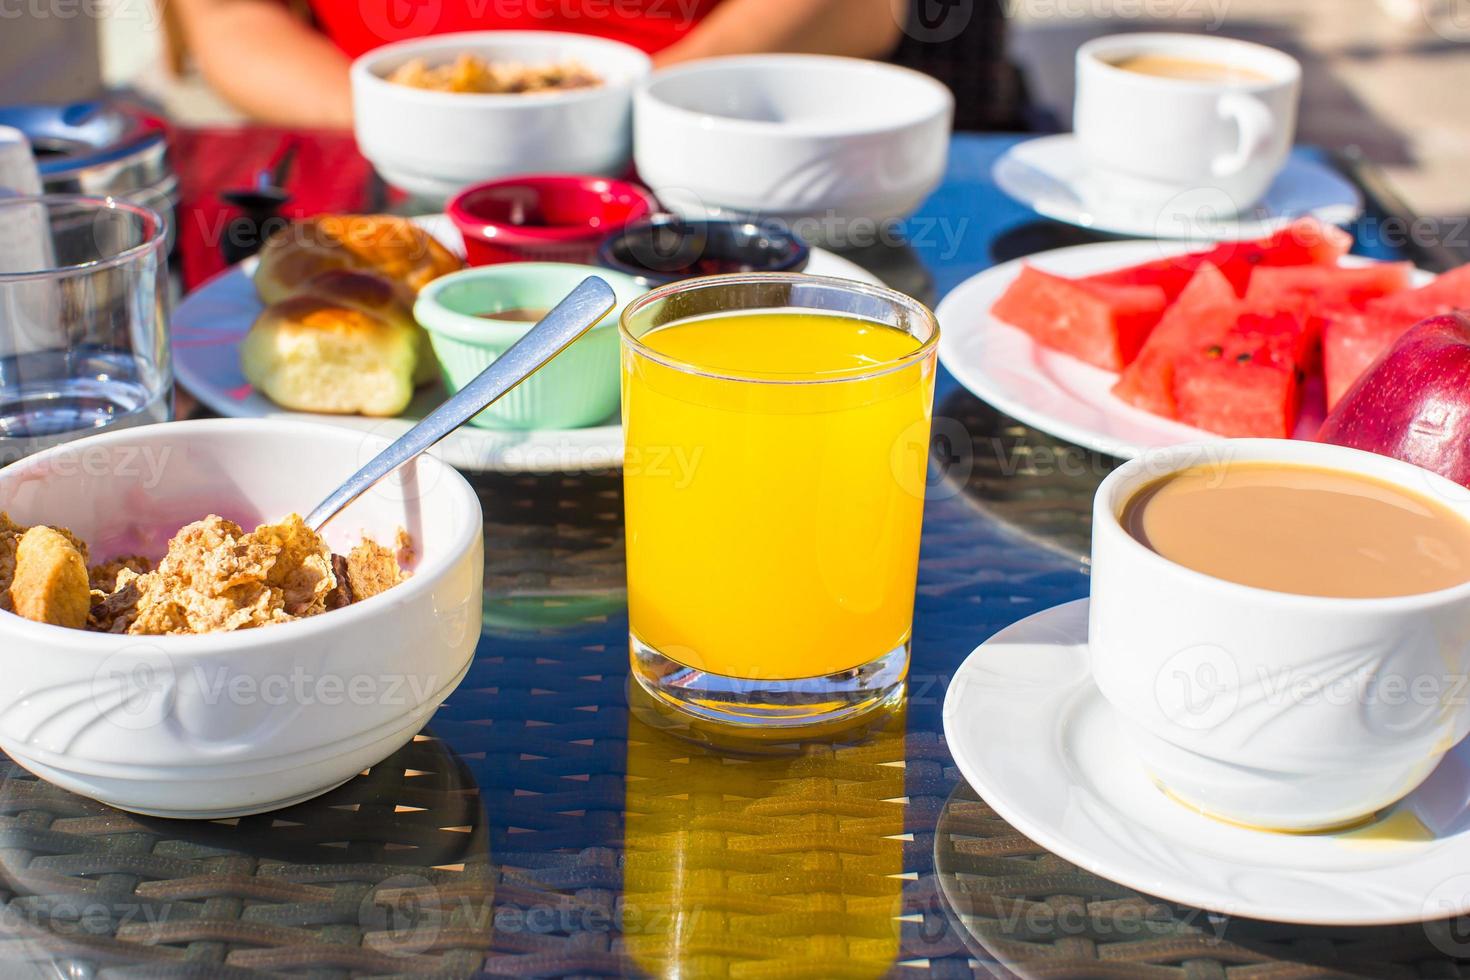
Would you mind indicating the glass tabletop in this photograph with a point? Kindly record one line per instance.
(550, 821)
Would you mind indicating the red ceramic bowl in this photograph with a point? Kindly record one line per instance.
(544, 218)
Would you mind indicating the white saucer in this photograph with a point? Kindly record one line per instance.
(1054, 392)
(1049, 175)
(210, 322)
(1036, 740)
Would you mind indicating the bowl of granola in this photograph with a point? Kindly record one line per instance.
(437, 114)
(179, 643)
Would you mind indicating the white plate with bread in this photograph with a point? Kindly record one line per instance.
(344, 344)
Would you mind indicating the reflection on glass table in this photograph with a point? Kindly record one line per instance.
(762, 860)
(387, 874)
(1023, 912)
(1033, 485)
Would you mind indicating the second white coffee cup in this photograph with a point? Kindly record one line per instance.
(1150, 134)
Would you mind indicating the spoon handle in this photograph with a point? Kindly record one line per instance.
(582, 308)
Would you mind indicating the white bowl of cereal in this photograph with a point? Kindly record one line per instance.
(330, 658)
(437, 114)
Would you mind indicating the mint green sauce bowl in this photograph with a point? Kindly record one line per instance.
(577, 389)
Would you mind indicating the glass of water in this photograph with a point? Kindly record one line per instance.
(83, 320)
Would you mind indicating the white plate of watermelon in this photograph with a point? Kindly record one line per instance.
(1123, 347)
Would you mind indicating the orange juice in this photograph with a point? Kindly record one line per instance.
(775, 492)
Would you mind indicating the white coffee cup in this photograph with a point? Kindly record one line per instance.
(1288, 712)
(1151, 136)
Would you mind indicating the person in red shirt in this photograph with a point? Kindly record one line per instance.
(273, 65)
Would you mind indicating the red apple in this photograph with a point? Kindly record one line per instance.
(1413, 403)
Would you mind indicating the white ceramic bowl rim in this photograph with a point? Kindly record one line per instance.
(478, 329)
(212, 645)
(1286, 68)
(1162, 462)
(365, 68)
(746, 63)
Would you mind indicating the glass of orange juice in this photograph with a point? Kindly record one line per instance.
(777, 428)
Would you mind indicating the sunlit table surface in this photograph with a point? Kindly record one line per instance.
(548, 822)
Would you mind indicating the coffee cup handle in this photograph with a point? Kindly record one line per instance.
(1256, 123)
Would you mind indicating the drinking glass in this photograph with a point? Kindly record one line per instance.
(777, 429)
(83, 323)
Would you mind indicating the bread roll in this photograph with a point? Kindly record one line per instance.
(314, 354)
(385, 298)
(368, 291)
(390, 246)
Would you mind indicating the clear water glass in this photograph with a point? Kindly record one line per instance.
(84, 340)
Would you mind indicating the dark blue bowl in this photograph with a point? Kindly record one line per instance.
(665, 249)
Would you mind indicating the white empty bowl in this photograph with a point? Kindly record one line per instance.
(817, 141)
(226, 724)
(434, 144)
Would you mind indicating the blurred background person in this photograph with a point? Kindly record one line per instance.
(282, 63)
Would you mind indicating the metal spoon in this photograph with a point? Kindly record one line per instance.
(570, 319)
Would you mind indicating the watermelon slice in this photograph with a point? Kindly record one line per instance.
(1172, 274)
(1204, 312)
(1353, 340)
(1449, 291)
(1313, 294)
(1100, 324)
(1303, 242)
(1292, 287)
(1244, 387)
(1295, 336)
